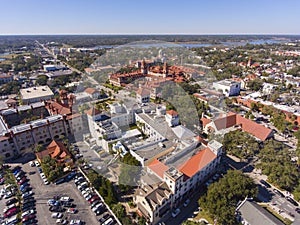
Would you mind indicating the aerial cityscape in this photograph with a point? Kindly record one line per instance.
(150, 113)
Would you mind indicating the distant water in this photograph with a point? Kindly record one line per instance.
(196, 45)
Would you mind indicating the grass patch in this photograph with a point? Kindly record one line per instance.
(204, 214)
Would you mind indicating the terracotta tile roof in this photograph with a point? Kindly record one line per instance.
(205, 121)
(158, 168)
(197, 162)
(56, 150)
(57, 108)
(92, 112)
(259, 131)
(143, 92)
(90, 91)
(75, 115)
(172, 113)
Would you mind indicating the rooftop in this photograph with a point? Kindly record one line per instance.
(255, 214)
(36, 92)
(197, 162)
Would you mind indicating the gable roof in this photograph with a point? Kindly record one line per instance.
(143, 92)
(259, 131)
(255, 214)
(172, 112)
(158, 168)
(205, 121)
(197, 162)
(92, 111)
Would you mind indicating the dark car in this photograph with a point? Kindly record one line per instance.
(30, 217)
(104, 218)
(70, 176)
(59, 181)
(28, 200)
(30, 222)
(279, 193)
(292, 201)
(11, 201)
(28, 205)
(68, 204)
(297, 210)
(56, 209)
(265, 183)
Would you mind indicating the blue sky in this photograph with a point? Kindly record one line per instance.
(149, 17)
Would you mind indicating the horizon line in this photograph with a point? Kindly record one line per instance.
(36, 34)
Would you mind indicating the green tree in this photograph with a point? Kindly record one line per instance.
(42, 80)
(222, 197)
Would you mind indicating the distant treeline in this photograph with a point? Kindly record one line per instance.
(14, 42)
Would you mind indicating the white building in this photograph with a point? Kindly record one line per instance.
(269, 88)
(228, 87)
(36, 94)
(172, 118)
(143, 95)
(176, 183)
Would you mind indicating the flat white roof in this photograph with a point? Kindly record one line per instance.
(36, 92)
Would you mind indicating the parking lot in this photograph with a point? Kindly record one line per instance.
(44, 192)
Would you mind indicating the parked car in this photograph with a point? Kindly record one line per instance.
(37, 164)
(104, 218)
(29, 217)
(265, 183)
(11, 201)
(76, 222)
(292, 201)
(56, 215)
(72, 210)
(175, 212)
(56, 209)
(70, 176)
(186, 203)
(26, 194)
(68, 204)
(11, 212)
(65, 199)
(279, 193)
(61, 221)
(59, 181)
(27, 213)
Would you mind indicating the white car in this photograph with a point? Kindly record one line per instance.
(27, 213)
(31, 163)
(61, 221)
(45, 181)
(36, 163)
(75, 222)
(43, 175)
(65, 199)
(56, 215)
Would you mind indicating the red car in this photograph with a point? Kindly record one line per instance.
(32, 216)
(94, 198)
(24, 179)
(11, 212)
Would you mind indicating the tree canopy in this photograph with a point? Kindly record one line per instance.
(222, 197)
